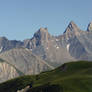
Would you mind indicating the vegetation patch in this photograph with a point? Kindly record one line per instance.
(1, 60)
(70, 77)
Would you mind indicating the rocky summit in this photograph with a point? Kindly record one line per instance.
(89, 29)
(44, 51)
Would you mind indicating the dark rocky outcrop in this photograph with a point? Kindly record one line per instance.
(89, 29)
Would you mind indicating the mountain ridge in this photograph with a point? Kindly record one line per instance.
(42, 42)
(44, 51)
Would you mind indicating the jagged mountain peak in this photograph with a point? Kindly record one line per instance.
(42, 34)
(72, 27)
(72, 23)
(42, 31)
(89, 28)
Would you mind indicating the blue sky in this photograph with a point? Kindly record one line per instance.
(19, 19)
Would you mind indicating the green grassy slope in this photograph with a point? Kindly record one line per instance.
(70, 77)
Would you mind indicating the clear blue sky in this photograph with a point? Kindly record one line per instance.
(19, 19)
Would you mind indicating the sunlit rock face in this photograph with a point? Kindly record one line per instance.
(25, 61)
(7, 71)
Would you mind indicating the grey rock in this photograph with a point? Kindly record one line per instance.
(89, 29)
(25, 61)
(6, 44)
(79, 42)
(48, 47)
(7, 71)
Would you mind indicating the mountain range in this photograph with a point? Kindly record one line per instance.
(44, 51)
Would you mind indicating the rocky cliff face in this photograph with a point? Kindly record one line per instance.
(7, 71)
(48, 47)
(71, 30)
(77, 42)
(20, 61)
(41, 37)
(25, 61)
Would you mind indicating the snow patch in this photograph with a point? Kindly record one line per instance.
(68, 46)
(57, 40)
(57, 47)
(27, 49)
(47, 48)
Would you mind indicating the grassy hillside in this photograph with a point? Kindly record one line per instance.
(70, 77)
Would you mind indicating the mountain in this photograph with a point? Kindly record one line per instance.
(70, 40)
(44, 51)
(6, 44)
(8, 71)
(42, 44)
(77, 42)
(70, 77)
(72, 29)
(74, 43)
(48, 47)
(23, 60)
